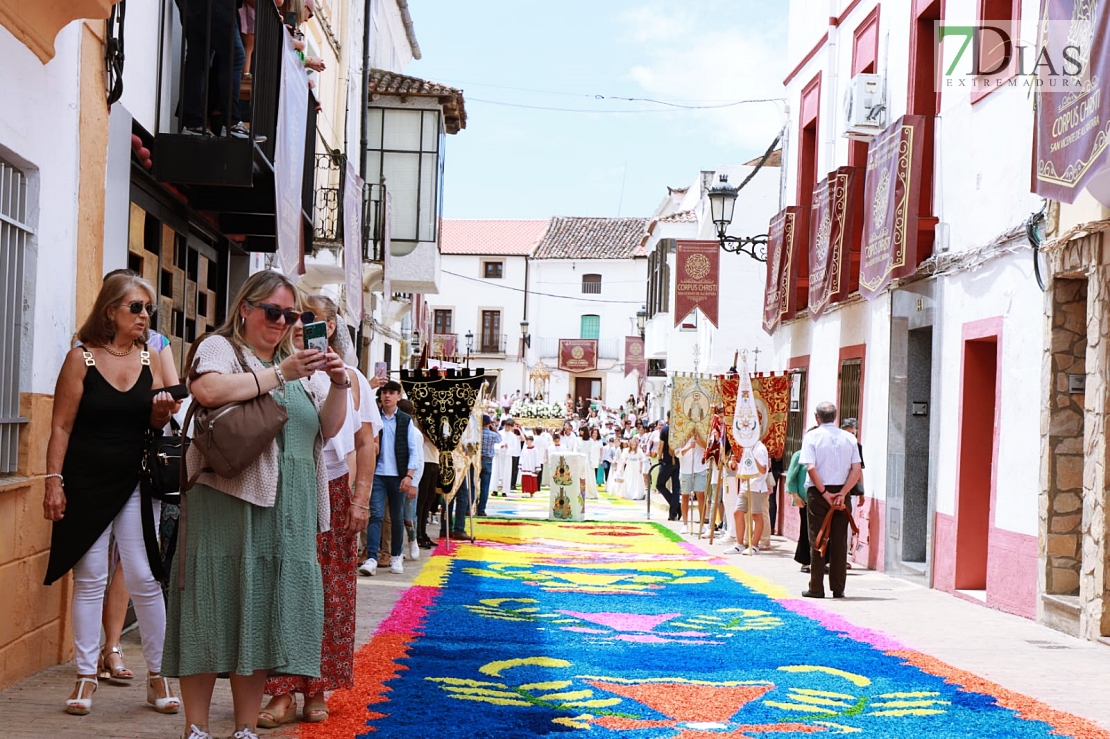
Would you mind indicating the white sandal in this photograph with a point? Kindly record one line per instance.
(81, 706)
(170, 704)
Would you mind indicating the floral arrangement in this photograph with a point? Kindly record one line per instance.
(537, 409)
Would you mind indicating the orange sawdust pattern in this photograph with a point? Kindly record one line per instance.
(1028, 708)
(688, 702)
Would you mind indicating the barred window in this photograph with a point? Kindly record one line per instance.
(591, 284)
(14, 235)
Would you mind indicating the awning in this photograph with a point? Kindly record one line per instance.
(892, 193)
(835, 222)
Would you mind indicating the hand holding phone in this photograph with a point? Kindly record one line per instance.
(316, 336)
(177, 392)
(380, 370)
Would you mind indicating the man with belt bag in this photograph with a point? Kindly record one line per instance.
(832, 462)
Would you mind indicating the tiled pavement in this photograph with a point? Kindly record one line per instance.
(1068, 674)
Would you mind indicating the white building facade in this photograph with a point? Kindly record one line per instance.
(938, 362)
(586, 281)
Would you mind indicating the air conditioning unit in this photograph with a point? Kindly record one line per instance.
(865, 106)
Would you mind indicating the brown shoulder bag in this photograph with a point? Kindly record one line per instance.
(231, 437)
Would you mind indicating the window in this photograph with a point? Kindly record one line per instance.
(441, 321)
(14, 235)
(998, 29)
(851, 384)
(807, 180)
(796, 419)
(591, 327)
(404, 149)
(493, 270)
(491, 333)
(591, 284)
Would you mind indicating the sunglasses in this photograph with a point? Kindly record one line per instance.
(274, 312)
(137, 306)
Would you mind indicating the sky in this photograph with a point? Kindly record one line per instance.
(513, 161)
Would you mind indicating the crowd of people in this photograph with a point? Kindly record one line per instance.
(284, 527)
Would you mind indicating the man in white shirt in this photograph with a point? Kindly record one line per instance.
(832, 461)
(692, 475)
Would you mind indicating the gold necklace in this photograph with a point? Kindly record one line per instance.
(115, 353)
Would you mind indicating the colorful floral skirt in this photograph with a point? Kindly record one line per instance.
(338, 555)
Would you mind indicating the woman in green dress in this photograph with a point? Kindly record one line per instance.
(246, 596)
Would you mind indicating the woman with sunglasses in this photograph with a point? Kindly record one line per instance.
(245, 595)
(349, 458)
(104, 403)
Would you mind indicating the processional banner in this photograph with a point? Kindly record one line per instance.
(697, 279)
(693, 398)
(444, 404)
(771, 392)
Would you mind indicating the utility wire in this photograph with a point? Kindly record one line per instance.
(546, 295)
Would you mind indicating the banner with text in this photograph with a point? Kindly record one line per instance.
(835, 223)
(289, 149)
(352, 242)
(1071, 130)
(697, 279)
(634, 358)
(783, 234)
(892, 193)
(578, 355)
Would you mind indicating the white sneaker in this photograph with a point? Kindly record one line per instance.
(397, 565)
(685, 530)
(748, 551)
(369, 567)
(414, 550)
(735, 550)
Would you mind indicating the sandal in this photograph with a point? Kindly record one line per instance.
(269, 718)
(315, 711)
(106, 671)
(81, 705)
(169, 703)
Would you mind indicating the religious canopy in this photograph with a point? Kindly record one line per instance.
(772, 401)
(697, 278)
(1071, 131)
(784, 236)
(578, 355)
(835, 221)
(892, 195)
(693, 398)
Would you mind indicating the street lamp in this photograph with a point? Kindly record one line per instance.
(469, 346)
(722, 205)
(641, 319)
(524, 335)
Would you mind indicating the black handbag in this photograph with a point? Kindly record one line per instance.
(161, 474)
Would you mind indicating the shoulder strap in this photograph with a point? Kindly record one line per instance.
(89, 361)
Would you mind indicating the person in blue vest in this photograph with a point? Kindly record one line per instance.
(400, 466)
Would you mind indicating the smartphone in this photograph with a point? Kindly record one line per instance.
(291, 19)
(177, 392)
(380, 370)
(316, 336)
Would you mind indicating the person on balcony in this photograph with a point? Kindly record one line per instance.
(214, 49)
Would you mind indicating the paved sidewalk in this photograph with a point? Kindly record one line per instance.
(1066, 673)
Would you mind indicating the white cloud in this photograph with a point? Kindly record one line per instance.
(705, 53)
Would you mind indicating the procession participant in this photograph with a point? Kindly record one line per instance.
(693, 476)
(755, 488)
(530, 465)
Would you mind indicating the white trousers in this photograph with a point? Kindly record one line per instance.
(90, 580)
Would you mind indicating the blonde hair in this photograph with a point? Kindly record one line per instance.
(255, 289)
(99, 328)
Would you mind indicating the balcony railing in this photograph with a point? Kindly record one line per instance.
(373, 224)
(327, 211)
(491, 343)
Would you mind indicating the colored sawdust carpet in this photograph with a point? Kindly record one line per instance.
(624, 630)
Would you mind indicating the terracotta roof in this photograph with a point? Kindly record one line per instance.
(506, 237)
(682, 216)
(775, 160)
(383, 82)
(592, 238)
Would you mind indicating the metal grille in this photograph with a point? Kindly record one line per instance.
(851, 371)
(796, 420)
(14, 233)
(591, 284)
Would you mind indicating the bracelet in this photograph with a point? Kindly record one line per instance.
(57, 475)
(345, 385)
(359, 505)
(280, 376)
(257, 386)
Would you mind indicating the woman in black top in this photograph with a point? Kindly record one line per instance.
(104, 402)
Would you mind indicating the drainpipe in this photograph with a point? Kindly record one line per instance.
(832, 97)
(363, 158)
